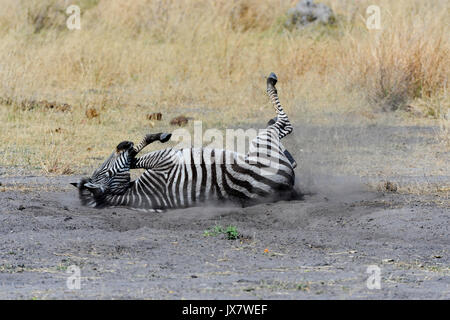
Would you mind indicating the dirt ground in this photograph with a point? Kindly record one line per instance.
(318, 248)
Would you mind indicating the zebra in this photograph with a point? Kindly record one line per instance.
(185, 177)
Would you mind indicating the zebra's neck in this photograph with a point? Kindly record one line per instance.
(124, 199)
(141, 194)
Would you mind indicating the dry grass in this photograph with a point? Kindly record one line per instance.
(206, 60)
(414, 187)
(407, 59)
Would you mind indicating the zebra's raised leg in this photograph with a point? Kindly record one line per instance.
(286, 153)
(267, 144)
(139, 163)
(281, 122)
(282, 125)
(150, 138)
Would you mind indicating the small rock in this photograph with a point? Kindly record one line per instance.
(21, 207)
(390, 186)
(155, 116)
(91, 113)
(179, 121)
(414, 110)
(194, 276)
(387, 260)
(67, 218)
(307, 12)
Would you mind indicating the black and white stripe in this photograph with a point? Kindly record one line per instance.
(175, 178)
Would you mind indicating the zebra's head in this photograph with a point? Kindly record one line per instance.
(111, 178)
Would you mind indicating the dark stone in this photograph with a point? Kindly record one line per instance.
(307, 12)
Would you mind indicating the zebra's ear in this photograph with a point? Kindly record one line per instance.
(164, 137)
(75, 184)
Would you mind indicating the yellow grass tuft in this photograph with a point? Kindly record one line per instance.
(202, 59)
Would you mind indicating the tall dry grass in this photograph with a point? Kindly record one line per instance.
(407, 59)
(195, 46)
(206, 56)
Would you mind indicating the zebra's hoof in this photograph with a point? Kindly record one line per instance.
(164, 137)
(272, 121)
(124, 145)
(273, 76)
(272, 79)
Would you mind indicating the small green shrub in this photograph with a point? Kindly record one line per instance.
(230, 232)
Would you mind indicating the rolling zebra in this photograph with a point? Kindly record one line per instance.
(177, 178)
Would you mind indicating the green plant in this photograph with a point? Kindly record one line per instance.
(214, 231)
(230, 232)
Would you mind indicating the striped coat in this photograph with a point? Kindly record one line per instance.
(175, 178)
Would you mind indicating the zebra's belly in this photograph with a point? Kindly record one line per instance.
(195, 184)
(209, 175)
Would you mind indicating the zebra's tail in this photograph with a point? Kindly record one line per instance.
(282, 124)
